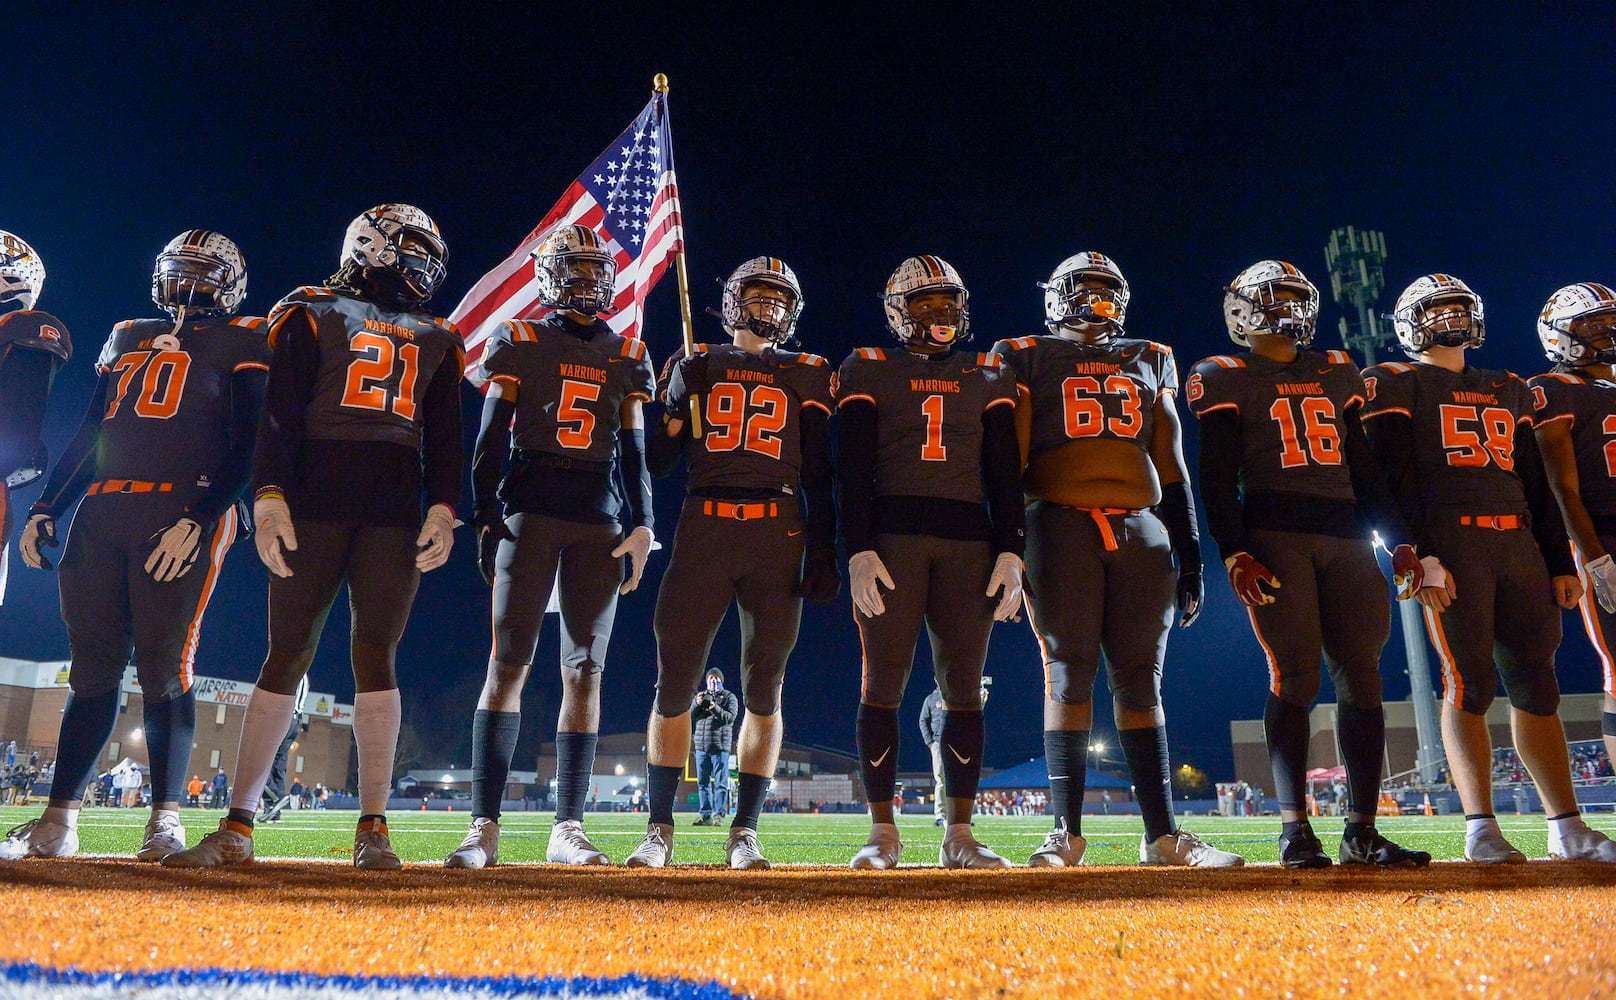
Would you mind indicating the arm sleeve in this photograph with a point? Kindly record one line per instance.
(1376, 505)
(1001, 475)
(1177, 512)
(443, 448)
(636, 476)
(1548, 527)
(855, 475)
(246, 402)
(1219, 469)
(293, 368)
(818, 479)
(74, 471)
(25, 380)
(488, 460)
(1391, 440)
(662, 452)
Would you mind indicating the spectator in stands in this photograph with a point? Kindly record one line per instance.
(221, 788)
(713, 711)
(193, 791)
(932, 713)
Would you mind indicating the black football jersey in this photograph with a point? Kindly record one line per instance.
(34, 329)
(1291, 418)
(375, 365)
(1589, 407)
(929, 417)
(751, 419)
(1464, 432)
(571, 390)
(168, 410)
(1082, 391)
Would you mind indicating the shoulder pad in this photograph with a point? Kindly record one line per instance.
(1394, 368)
(989, 361)
(1221, 361)
(1157, 346)
(247, 322)
(1338, 357)
(1019, 343)
(633, 347)
(308, 293)
(517, 331)
(871, 353)
(695, 349)
(811, 359)
(1565, 377)
(126, 324)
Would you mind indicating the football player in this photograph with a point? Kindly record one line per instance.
(1111, 510)
(161, 457)
(1468, 476)
(764, 415)
(33, 345)
(1576, 416)
(361, 418)
(927, 433)
(564, 407)
(1292, 495)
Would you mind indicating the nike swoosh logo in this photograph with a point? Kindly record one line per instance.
(613, 361)
(956, 753)
(876, 762)
(793, 534)
(967, 371)
(1499, 385)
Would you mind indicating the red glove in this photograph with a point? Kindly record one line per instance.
(1408, 574)
(1246, 575)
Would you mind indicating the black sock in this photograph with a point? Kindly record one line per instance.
(169, 724)
(1471, 816)
(749, 800)
(662, 785)
(575, 759)
(1146, 751)
(1362, 732)
(1288, 827)
(1570, 815)
(1286, 728)
(87, 724)
(964, 736)
(877, 730)
(493, 744)
(1351, 829)
(243, 817)
(1067, 751)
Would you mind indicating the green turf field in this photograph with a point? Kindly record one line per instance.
(793, 838)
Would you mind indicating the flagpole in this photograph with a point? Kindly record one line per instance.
(659, 83)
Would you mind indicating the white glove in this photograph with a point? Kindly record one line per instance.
(1006, 582)
(272, 531)
(1602, 572)
(38, 533)
(432, 545)
(637, 546)
(1435, 574)
(864, 571)
(175, 552)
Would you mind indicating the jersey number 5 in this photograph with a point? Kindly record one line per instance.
(737, 418)
(1323, 441)
(161, 387)
(374, 364)
(575, 424)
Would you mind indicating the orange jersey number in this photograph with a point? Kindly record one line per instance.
(374, 364)
(575, 424)
(162, 382)
(1476, 436)
(933, 450)
(737, 418)
(1318, 430)
(1085, 417)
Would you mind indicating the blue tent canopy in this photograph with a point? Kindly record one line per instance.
(1035, 774)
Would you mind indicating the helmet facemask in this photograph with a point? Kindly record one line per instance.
(937, 317)
(767, 311)
(22, 275)
(399, 253)
(189, 281)
(1453, 319)
(575, 273)
(1268, 310)
(1085, 297)
(1592, 339)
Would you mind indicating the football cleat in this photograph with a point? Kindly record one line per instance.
(164, 836)
(1061, 850)
(372, 851)
(1370, 848)
(1577, 325)
(480, 849)
(1581, 844)
(569, 846)
(655, 851)
(881, 851)
(1487, 846)
(742, 851)
(961, 849)
(575, 270)
(22, 273)
(1271, 296)
(936, 323)
(227, 845)
(746, 306)
(40, 838)
(1301, 849)
(1185, 849)
(1438, 310)
(200, 273)
(1087, 288)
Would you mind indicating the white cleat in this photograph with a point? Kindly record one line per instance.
(655, 851)
(1488, 847)
(225, 846)
(1061, 850)
(164, 836)
(480, 849)
(743, 852)
(881, 851)
(373, 851)
(569, 846)
(1185, 849)
(1581, 844)
(961, 849)
(40, 838)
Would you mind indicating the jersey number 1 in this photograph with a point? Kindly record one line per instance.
(375, 362)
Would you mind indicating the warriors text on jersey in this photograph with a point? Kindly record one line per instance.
(1084, 391)
(1589, 408)
(751, 417)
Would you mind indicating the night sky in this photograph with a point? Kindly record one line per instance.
(1183, 146)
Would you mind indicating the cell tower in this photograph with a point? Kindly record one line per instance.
(1356, 259)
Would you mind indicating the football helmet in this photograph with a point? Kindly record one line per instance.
(938, 326)
(575, 271)
(1086, 287)
(22, 273)
(744, 308)
(402, 239)
(200, 272)
(1419, 331)
(1576, 321)
(1250, 304)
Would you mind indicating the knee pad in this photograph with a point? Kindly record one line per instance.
(1537, 693)
(1607, 724)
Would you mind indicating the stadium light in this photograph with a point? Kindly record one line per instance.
(136, 734)
(1098, 746)
(448, 779)
(618, 770)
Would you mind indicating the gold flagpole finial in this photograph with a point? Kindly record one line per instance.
(660, 83)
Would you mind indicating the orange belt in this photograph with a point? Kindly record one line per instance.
(740, 511)
(1101, 515)
(127, 486)
(1503, 522)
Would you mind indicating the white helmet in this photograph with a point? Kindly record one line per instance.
(1087, 287)
(770, 271)
(1563, 328)
(1417, 332)
(916, 276)
(201, 272)
(400, 238)
(1249, 304)
(22, 273)
(564, 283)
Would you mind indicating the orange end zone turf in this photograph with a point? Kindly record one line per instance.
(1544, 928)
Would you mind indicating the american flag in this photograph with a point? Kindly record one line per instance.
(628, 196)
